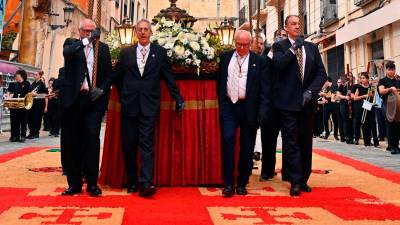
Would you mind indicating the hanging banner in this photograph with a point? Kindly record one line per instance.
(2, 12)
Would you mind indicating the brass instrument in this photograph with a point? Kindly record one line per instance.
(19, 103)
(371, 98)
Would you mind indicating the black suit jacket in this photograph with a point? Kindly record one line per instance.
(75, 70)
(257, 100)
(288, 88)
(142, 93)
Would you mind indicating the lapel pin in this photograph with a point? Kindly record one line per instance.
(153, 55)
(254, 65)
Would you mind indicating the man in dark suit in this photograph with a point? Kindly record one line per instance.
(83, 105)
(301, 75)
(271, 126)
(138, 73)
(241, 89)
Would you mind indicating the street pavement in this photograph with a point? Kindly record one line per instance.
(376, 156)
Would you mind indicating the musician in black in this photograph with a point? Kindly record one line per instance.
(19, 89)
(327, 94)
(367, 119)
(35, 115)
(388, 85)
(52, 109)
(357, 113)
(346, 111)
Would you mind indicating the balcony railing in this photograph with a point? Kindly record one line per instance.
(360, 3)
(242, 16)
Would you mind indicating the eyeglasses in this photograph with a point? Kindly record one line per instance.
(86, 30)
(239, 45)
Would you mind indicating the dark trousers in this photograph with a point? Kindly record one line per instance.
(339, 121)
(318, 122)
(138, 130)
(18, 123)
(269, 135)
(297, 138)
(393, 134)
(53, 114)
(80, 141)
(35, 115)
(233, 116)
(346, 120)
(357, 120)
(369, 127)
(380, 118)
(328, 111)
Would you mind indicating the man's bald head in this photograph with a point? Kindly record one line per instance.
(242, 42)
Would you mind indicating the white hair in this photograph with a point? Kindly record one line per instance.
(240, 32)
(144, 21)
(82, 23)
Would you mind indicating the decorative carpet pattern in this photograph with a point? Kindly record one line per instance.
(350, 193)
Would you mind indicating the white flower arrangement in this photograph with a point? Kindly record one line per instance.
(184, 46)
(112, 39)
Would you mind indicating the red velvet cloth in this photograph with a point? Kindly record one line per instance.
(187, 146)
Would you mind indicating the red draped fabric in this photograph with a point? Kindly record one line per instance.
(187, 146)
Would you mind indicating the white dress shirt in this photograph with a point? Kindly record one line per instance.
(240, 77)
(304, 54)
(89, 55)
(141, 60)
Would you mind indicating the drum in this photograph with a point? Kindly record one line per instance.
(392, 107)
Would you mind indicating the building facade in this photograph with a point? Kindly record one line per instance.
(349, 33)
(42, 31)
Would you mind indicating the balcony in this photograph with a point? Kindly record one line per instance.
(329, 11)
(242, 16)
(361, 3)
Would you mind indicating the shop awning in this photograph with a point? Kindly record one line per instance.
(380, 18)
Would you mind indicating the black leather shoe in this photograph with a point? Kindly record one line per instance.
(257, 156)
(94, 190)
(228, 191)
(30, 137)
(295, 190)
(376, 144)
(13, 139)
(132, 189)
(72, 191)
(147, 191)
(356, 142)
(267, 177)
(336, 137)
(326, 137)
(21, 139)
(241, 190)
(394, 151)
(305, 188)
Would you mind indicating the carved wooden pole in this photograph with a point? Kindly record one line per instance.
(301, 15)
(250, 20)
(27, 46)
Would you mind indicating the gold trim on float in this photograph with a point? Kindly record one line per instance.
(114, 105)
(203, 104)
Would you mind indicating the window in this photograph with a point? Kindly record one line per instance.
(132, 12)
(336, 62)
(377, 50)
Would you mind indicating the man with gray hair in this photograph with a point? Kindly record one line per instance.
(241, 89)
(140, 69)
(83, 103)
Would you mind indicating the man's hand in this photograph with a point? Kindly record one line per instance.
(393, 89)
(306, 98)
(95, 94)
(298, 43)
(179, 107)
(95, 35)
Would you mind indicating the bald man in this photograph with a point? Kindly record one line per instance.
(83, 105)
(241, 88)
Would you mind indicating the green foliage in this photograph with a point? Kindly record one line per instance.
(8, 40)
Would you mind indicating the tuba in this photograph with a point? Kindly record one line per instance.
(19, 103)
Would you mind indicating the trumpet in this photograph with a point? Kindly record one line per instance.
(19, 103)
(370, 98)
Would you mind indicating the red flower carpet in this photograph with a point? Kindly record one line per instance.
(352, 192)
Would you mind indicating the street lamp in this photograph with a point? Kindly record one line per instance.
(126, 32)
(68, 11)
(226, 32)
